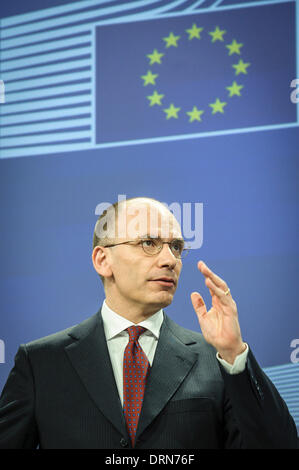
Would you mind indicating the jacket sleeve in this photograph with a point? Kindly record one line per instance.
(258, 416)
(17, 423)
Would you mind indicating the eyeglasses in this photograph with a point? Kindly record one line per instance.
(153, 246)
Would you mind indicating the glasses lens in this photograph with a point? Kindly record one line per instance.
(185, 252)
(151, 247)
(154, 246)
(177, 248)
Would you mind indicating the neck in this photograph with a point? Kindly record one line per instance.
(133, 313)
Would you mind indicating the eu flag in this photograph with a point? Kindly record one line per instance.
(195, 73)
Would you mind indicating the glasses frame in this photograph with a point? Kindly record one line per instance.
(160, 246)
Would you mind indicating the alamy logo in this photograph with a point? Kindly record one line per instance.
(295, 353)
(2, 352)
(295, 93)
(2, 92)
(188, 214)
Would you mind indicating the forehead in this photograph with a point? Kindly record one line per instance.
(143, 217)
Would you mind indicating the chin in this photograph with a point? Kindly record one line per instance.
(164, 299)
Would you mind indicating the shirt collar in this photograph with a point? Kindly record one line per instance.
(115, 323)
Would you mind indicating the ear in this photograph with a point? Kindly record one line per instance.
(100, 260)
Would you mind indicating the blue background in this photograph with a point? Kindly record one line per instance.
(247, 182)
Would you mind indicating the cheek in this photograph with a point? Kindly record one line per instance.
(128, 272)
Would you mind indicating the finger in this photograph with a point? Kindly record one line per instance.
(198, 304)
(207, 272)
(216, 290)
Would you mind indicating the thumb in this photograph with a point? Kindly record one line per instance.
(198, 304)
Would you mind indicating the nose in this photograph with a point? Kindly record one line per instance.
(166, 258)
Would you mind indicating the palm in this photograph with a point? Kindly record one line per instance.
(219, 325)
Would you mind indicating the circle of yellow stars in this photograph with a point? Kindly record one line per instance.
(172, 40)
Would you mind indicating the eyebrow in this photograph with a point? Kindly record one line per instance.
(149, 237)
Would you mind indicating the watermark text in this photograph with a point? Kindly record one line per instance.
(2, 352)
(149, 220)
(295, 93)
(295, 353)
(2, 92)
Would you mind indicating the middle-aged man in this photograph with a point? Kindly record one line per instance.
(129, 376)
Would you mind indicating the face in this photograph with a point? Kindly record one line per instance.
(137, 280)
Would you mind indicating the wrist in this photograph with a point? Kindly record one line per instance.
(229, 355)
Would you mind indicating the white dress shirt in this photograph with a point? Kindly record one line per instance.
(117, 339)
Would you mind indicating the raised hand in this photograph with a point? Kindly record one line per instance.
(219, 325)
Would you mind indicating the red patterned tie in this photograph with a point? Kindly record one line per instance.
(135, 370)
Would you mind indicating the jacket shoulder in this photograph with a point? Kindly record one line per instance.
(64, 337)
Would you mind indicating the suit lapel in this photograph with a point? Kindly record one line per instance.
(90, 357)
(172, 362)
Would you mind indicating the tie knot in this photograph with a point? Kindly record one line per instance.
(135, 332)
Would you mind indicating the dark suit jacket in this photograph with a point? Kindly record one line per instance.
(61, 393)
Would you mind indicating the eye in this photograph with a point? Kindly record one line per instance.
(149, 246)
(177, 246)
(148, 243)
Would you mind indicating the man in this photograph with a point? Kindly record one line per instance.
(131, 377)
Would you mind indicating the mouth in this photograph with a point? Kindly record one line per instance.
(165, 281)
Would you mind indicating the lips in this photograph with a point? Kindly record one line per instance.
(165, 280)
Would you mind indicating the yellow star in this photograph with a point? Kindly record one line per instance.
(155, 98)
(195, 114)
(218, 106)
(172, 111)
(234, 47)
(171, 40)
(234, 89)
(241, 67)
(155, 57)
(149, 78)
(194, 32)
(217, 35)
